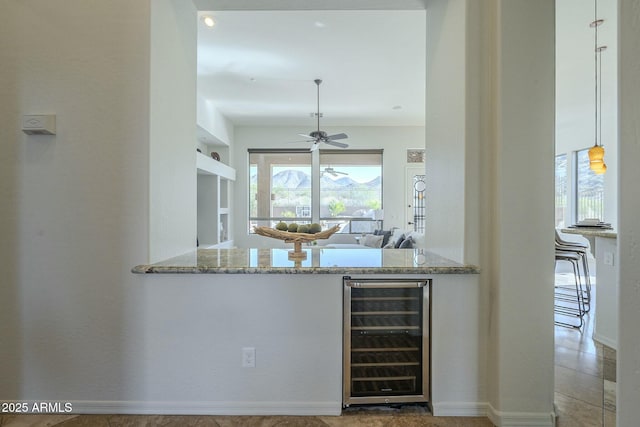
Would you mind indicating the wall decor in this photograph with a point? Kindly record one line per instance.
(415, 156)
(215, 156)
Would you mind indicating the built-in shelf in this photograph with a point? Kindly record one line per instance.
(208, 166)
(214, 191)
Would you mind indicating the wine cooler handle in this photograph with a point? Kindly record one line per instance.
(356, 284)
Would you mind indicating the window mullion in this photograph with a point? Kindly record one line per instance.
(315, 186)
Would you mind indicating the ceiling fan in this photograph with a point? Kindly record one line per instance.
(318, 136)
(331, 171)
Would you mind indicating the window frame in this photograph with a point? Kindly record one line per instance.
(316, 169)
(576, 187)
(565, 192)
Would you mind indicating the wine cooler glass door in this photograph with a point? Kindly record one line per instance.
(386, 338)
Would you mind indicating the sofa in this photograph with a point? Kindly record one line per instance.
(386, 239)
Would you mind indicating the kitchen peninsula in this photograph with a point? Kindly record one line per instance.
(603, 244)
(291, 313)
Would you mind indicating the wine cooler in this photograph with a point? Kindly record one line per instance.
(386, 341)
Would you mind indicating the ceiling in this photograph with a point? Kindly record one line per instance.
(258, 67)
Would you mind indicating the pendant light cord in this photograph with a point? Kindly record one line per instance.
(597, 77)
(595, 63)
(600, 49)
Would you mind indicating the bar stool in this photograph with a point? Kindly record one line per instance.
(567, 303)
(581, 250)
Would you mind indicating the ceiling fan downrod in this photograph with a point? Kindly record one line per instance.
(318, 81)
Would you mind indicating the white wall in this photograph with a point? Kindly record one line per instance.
(196, 327)
(628, 369)
(210, 119)
(74, 211)
(479, 77)
(605, 328)
(445, 134)
(394, 140)
(172, 164)
(575, 97)
(523, 292)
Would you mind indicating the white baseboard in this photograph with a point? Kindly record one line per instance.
(519, 419)
(207, 408)
(459, 409)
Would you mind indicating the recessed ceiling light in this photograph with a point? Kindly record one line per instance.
(208, 21)
(397, 107)
(319, 24)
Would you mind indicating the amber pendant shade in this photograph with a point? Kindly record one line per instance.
(596, 160)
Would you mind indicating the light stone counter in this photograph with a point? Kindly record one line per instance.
(591, 232)
(318, 261)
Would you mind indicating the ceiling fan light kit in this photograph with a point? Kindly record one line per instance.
(318, 136)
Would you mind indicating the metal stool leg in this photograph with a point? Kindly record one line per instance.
(560, 296)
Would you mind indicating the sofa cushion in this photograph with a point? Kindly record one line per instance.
(372, 241)
(419, 239)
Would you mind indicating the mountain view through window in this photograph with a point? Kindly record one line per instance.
(350, 189)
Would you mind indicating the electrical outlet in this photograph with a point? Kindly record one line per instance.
(248, 357)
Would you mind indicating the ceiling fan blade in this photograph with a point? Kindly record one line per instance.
(298, 142)
(333, 172)
(305, 136)
(338, 136)
(337, 144)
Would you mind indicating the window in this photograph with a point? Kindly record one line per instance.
(589, 189)
(279, 187)
(351, 189)
(561, 190)
(347, 189)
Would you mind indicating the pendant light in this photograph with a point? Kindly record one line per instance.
(596, 153)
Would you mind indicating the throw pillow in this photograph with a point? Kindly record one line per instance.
(399, 241)
(406, 243)
(386, 237)
(373, 241)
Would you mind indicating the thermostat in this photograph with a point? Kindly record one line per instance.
(39, 124)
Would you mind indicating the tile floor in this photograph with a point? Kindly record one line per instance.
(369, 420)
(585, 375)
(584, 397)
(585, 371)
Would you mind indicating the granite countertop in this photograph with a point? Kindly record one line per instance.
(591, 232)
(318, 261)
